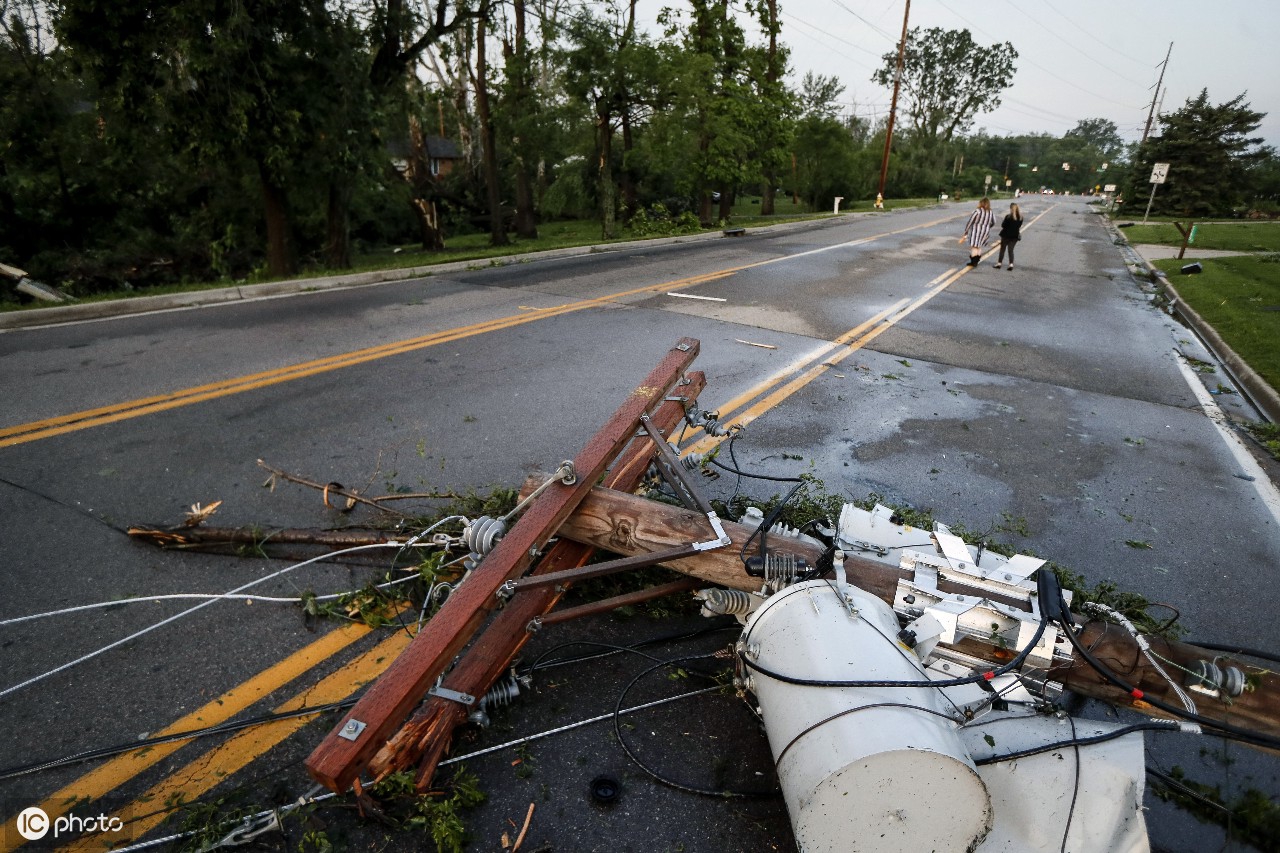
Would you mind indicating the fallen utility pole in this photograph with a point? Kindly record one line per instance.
(341, 757)
(426, 737)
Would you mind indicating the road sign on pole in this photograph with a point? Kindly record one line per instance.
(1159, 172)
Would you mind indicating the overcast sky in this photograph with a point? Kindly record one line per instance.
(1077, 59)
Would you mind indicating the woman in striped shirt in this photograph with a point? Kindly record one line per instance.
(978, 230)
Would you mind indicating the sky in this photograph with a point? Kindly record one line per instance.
(1077, 59)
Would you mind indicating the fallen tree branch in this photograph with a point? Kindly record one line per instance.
(352, 496)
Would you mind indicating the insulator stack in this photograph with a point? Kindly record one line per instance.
(483, 534)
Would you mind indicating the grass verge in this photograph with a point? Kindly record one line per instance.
(1240, 298)
(1218, 236)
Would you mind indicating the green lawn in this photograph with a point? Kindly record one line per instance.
(1240, 298)
(1227, 236)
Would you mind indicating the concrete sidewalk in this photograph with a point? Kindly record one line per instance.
(1153, 251)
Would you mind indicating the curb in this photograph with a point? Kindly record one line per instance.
(1259, 391)
(32, 317)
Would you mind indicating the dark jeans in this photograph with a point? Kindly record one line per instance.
(1004, 245)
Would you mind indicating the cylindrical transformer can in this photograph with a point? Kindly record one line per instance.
(861, 768)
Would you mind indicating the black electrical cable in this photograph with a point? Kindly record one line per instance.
(192, 734)
(655, 775)
(1153, 725)
(1236, 650)
(847, 711)
(1185, 790)
(1075, 791)
(732, 470)
(1218, 726)
(539, 662)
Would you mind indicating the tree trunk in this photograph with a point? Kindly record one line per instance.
(771, 75)
(497, 228)
(630, 196)
(608, 194)
(280, 259)
(338, 244)
(428, 224)
(526, 216)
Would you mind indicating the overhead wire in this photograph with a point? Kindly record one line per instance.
(174, 618)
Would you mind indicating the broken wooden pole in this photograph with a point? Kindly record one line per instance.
(222, 538)
(340, 758)
(425, 738)
(1256, 709)
(627, 524)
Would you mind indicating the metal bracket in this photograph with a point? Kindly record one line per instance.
(352, 730)
(452, 695)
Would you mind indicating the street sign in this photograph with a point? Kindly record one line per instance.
(1109, 188)
(1159, 172)
(988, 180)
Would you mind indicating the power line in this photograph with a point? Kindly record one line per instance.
(890, 36)
(1052, 74)
(794, 19)
(1058, 37)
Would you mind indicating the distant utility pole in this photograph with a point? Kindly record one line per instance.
(893, 104)
(1151, 113)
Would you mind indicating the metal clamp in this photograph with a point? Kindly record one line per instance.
(452, 695)
(248, 831)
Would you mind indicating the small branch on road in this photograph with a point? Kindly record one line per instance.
(351, 496)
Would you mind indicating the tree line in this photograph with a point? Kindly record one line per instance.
(145, 142)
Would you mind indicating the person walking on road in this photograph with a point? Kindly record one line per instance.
(1010, 234)
(978, 230)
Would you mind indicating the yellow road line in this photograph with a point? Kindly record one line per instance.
(98, 782)
(121, 411)
(842, 347)
(215, 766)
(49, 427)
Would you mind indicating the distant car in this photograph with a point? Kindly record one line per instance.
(1046, 191)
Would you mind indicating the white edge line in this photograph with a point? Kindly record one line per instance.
(1248, 465)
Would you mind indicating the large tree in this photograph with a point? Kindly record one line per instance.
(947, 80)
(1210, 152)
(232, 83)
(613, 68)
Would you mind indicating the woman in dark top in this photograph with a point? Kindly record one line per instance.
(1009, 235)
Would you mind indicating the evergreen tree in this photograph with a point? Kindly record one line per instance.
(1210, 154)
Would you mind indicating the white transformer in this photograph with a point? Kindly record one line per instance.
(866, 767)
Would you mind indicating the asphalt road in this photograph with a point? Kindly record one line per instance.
(1050, 401)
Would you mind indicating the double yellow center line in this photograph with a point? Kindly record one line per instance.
(49, 427)
(754, 402)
